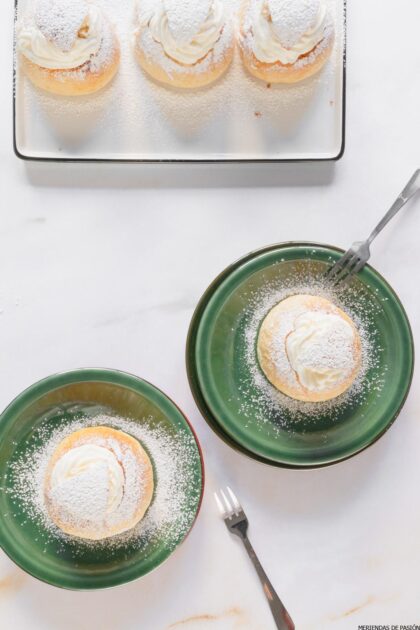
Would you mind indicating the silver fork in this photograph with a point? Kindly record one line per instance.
(357, 256)
(237, 523)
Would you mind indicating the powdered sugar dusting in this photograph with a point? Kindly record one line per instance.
(310, 346)
(186, 16)
(293, 18)
(100, 495)
(82, 498)
(177, 485)
(236, 117)
(97, 63)
(155, 52)
(60, 20)
(261, 402)
(289, 30)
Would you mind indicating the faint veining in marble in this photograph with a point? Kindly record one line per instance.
(355, 609)
(12, 582)
(374, 562)
(234, 612)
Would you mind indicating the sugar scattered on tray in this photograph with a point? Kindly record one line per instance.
(167, 122)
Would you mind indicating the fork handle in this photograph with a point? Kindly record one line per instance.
(411, 188)
(280, 614)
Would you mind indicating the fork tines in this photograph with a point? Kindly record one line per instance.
(227, 503)
(349, 264)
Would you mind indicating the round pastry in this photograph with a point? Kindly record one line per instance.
(67, 47)
(99, 483)
(285, 41)
(184, 43)
(309, 349)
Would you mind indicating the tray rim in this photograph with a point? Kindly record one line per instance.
(144, 161)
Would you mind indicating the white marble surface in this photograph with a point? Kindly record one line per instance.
(102, 266)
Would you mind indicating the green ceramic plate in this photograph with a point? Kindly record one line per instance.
(61, 399)
(226, 390)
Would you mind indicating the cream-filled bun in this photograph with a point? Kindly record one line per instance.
(99, 483)
(184, 43)
(285, 41)
(67, 47)
(309, 349)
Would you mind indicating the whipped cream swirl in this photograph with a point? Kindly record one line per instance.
(284, 30)
(87, 482)
(179, 43)
(320, 350)
(36, 44)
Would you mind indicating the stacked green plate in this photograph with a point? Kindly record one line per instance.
(217, 370)
(60, 399)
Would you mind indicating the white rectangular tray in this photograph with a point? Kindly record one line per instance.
(238, 119)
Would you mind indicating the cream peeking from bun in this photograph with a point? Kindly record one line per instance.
(285, 41)
(309, 349)
(99, 483)
(184, 43)
(67, 46)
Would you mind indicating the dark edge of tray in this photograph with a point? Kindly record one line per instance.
(29, 158)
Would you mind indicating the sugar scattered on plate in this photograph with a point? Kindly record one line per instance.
(260, 401)
(177, 488)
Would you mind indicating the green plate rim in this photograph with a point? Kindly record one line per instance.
(118, 377)
(194, 381)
